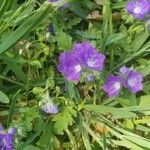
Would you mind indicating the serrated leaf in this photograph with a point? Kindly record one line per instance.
(64, 41)
(64, 119)
(3, 98)
(74, 21)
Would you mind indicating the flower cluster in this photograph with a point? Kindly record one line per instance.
(128, 78)
(6, 139)
(82, 57)
(138, 8)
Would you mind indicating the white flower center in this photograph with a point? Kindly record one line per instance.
(90, 62)
(137, 10)
(117, 85)
(131, 82)
(77, 68)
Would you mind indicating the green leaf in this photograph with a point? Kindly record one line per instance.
(3, 98)
(14, 66)
(88, 35)
(145, 100)
(127, 144)
(36, 63)
(75, 8)
(128, 124)
(12, 107)
(86, 139)
(30, 147)
(64, 119)
(116, 112)
(64, 41)
(139, 41)
(114, 38)
(141, 142)
(142, 128)
(26, 27)
(47, 138)
(4, 6)
(146, 69)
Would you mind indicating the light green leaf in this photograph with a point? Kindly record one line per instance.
(127, 144)
(64, 119)
(3, 98)
(64, 41)
(116, 112)
(26, 27)
(114, 38)
(36, 63)
(145, 100)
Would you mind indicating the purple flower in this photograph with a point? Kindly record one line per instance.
(50, 108)
(89, 56)
(134, 81)
(83, 56)
(113, 85)
(138, 8)
(70, 66)
(6, 142)
(6, 139)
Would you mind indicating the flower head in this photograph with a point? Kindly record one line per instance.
(138, 8)
(70, 66)
(89, 56)
(83, 56)
(6, 139)
(6, 142)
(113, 85)
(134, 81)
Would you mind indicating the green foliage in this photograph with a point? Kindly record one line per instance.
(3, 98)
(64, 119)
(87, 119)
(64, 41)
